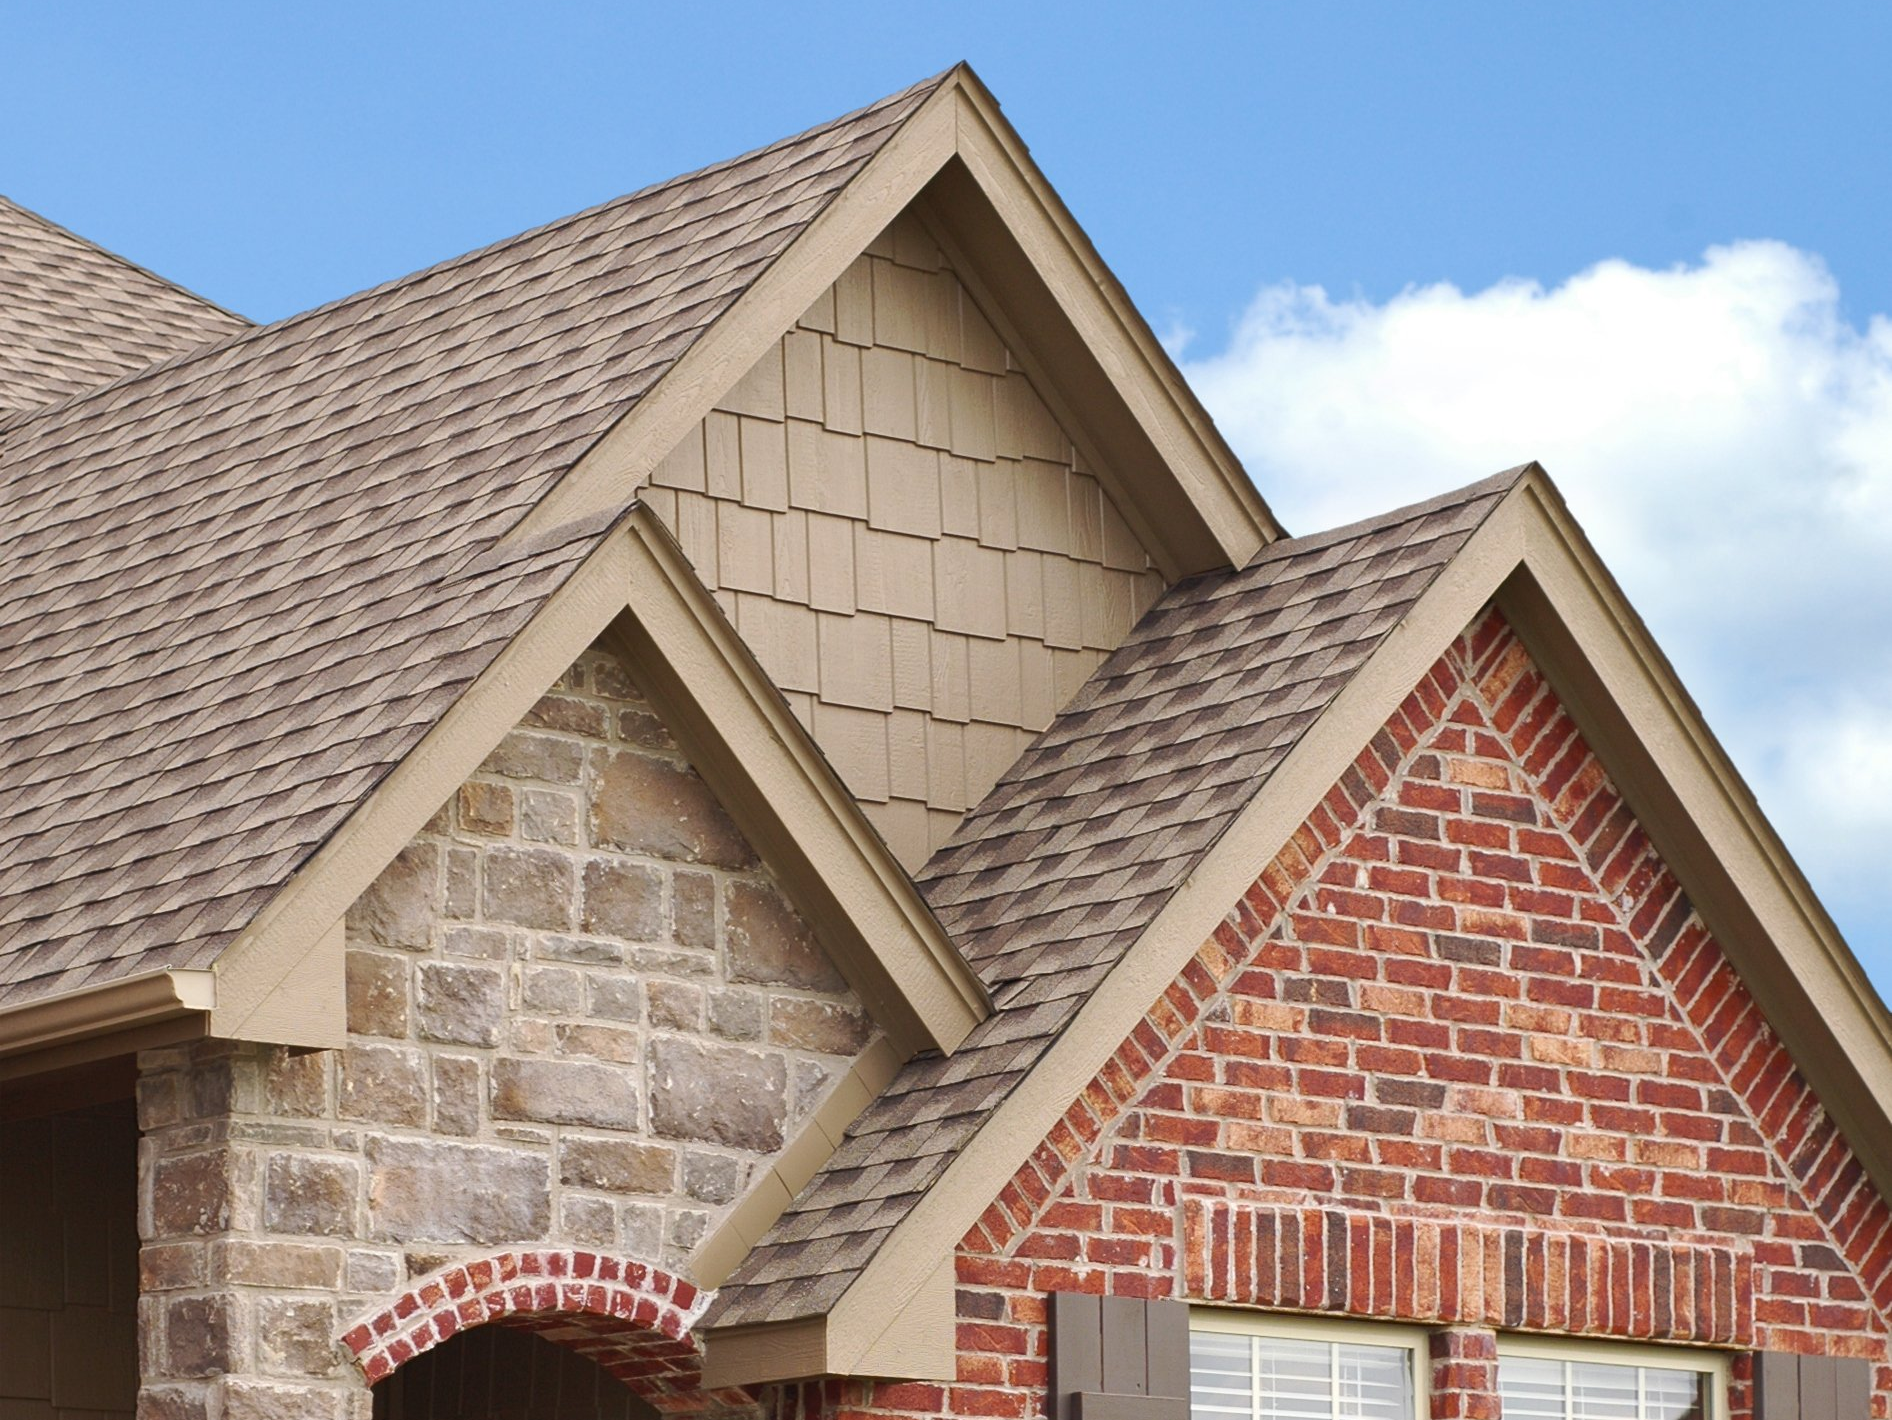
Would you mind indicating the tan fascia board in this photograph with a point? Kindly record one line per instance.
(133, 1012)
(854, 1329)
(915, 1343)
(1704, 820)
(739, 732)
(1092, 356)
(281, 981)
(814, 1144)
(612, 471)
(1531, 560)
(1089, 351)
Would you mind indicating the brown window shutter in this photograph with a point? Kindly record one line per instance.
(1790, 1387)
(1118, 1358)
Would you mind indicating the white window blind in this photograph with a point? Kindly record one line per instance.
(1535, 1388)
(1238, 1377)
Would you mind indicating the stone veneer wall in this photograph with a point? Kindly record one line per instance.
(906, 538)
(580, 1014)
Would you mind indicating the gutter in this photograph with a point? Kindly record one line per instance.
(111, 1009)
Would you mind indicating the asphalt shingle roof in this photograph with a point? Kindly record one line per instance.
(239, 586)
(74, 316)
(1052, 878)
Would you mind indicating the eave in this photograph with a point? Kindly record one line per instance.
(116, 1017)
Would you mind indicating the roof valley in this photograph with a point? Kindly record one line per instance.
(1049, 882)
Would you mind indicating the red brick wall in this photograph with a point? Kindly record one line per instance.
(1463, 1055)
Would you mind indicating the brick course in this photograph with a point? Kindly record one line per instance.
(1467, 1008)
(582, 1016)
(632, 1320)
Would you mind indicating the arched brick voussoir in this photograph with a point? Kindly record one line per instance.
(633, 1319)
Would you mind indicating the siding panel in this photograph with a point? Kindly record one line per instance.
(916, 545)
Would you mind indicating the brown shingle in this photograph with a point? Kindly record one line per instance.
(1053, 877)
(240, 585)
(74, 316)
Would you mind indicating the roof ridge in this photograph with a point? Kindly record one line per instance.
(1346, 532)
(122, 260)
(14, 422)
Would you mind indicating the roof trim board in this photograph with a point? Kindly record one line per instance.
(156, 1007)
(951, 121)
(612, 471)
(1673, 773)
(1532, 559)
(723, 1250)
(1089, 351)
(747, 744)
(257, 971)
(281, 981)
(362, 461)
(1036, 275)
(852, 1328)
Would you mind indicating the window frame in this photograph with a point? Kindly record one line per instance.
(1355, 1331)
(1603, 1351)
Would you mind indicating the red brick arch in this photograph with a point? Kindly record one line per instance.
(634, 1320)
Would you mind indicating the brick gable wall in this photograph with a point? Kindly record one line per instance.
(1463, 1055)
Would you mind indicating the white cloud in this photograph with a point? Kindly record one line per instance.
(1725, 437)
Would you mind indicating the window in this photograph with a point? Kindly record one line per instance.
(1577, 1380)
(1251, 1366)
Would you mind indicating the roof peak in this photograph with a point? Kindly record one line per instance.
(304, 505)
(1360, 527)
(444, 266)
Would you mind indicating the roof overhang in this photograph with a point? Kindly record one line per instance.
(1089, 354)
(114, 1018)
(1531, 560)
(281, 982)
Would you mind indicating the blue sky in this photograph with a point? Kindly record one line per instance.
(1395, 246)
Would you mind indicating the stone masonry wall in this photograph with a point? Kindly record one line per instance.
(1465, 1056)
(580, 1013)
(906, 538)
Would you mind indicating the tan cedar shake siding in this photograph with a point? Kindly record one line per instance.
(581, 1015)
(906, 538)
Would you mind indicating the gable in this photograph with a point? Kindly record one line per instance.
(1466, 1017)
(1092, 844)
(282, 554)
(906, 537)
(341, 626)
(581, 953)
(964, 1129)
